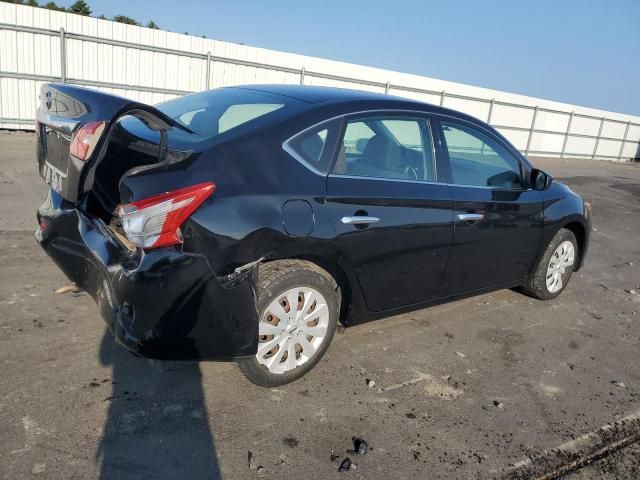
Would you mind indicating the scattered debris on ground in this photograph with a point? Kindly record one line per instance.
(291, 442)
(346, 465)
(71, 287)
(360, 446)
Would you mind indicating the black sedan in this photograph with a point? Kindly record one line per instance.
(245, 223)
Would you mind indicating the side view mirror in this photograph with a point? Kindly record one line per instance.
(540, 180)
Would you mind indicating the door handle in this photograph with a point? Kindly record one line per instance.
(470, 217)
(359, 220)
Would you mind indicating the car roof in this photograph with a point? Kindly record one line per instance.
(317, 97)
(316, 94)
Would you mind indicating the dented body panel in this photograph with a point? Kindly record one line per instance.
(160, 304)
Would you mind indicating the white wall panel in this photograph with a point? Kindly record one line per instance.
(633, 135)
(631, 150)
(580, 146)
(8, 51)
(9, 98)
(506, 115)
(421, 97)
(517, 137)
(476, 109)
(613, 129)
(135, 69)
(608, 148)
(546, 142)
(552, 121)
(585, 126)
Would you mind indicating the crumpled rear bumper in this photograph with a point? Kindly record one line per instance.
(161, 303)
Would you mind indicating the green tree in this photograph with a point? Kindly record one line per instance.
(32, 3)
(153, 25)
(53, 6)
(80, 7)
(125, 19)
(102, 17)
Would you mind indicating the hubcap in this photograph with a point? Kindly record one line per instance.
(561, 260)
(291, 329)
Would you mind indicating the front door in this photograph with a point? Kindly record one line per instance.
(498, 219)
(393, 219)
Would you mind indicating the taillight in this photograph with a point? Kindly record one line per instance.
(155, 222)
(85, 140)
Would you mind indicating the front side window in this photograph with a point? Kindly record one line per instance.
(478, 160)
(387, 147)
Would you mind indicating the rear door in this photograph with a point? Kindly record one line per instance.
(393, 218)
(498, 219)
(72, 125)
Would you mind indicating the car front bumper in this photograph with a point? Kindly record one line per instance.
(161, 303)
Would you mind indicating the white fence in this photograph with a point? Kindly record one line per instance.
(39, 45)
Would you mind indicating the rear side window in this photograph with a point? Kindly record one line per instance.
(218, 111)
(478, 160)
(244, 112)
(314, 147)
(387, 147)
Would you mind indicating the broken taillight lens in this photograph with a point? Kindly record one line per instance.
(155, 222)
(85, 140)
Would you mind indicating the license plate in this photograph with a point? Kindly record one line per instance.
(53, 176)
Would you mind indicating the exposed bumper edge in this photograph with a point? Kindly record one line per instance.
(160, 304)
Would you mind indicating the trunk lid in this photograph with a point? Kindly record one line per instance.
(62, 113)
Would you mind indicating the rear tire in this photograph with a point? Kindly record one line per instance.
(554, 270)
(297, 345)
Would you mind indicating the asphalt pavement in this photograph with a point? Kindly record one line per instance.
(478, 388)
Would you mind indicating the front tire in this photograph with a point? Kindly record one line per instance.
(298, 310)
(554, 270)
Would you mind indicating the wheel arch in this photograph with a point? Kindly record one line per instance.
(348, 288)
(579, 229)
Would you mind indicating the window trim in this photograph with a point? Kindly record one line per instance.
(523, 167)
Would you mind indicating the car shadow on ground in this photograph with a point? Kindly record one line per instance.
(157, 425)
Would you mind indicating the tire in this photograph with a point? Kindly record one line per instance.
(305, 281)
(562, 249)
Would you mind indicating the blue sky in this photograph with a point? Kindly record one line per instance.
(576, 51)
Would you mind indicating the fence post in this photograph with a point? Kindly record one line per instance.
(566, 135)
(302, 71)
(442, 95)
(490, 111)
(63, 56)
(624, 139)
(208, 71)
(387, 87)
(595, 147)
(533, 124)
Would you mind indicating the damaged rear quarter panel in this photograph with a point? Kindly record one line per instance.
(162, 303)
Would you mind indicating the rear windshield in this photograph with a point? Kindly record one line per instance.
(217, 111)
